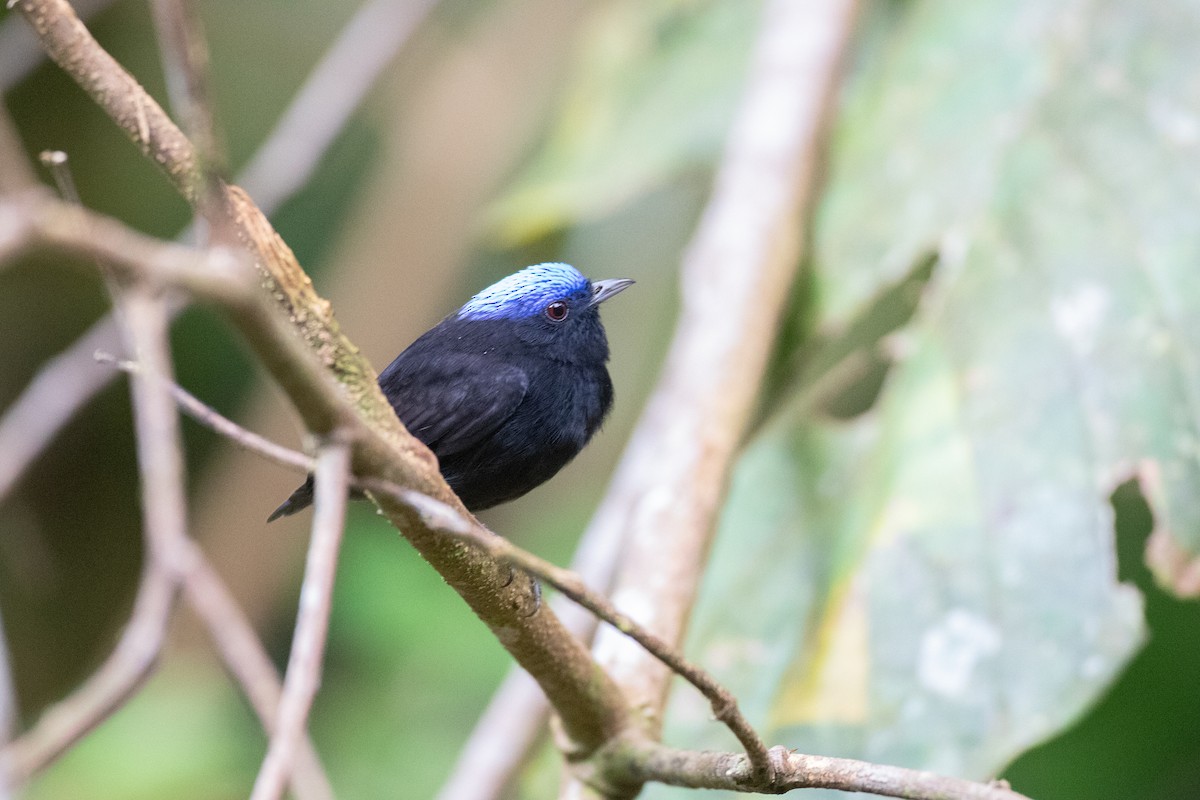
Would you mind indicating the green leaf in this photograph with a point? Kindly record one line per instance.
(934, 583)
(651, 97)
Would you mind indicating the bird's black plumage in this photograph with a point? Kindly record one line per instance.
(509, 388)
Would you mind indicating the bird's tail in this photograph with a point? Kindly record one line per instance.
(298, 501)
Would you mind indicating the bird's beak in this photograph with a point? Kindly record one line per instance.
(602, 290)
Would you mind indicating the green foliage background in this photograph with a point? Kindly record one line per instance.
(983, 399)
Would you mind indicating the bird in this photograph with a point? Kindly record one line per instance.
(509, 388)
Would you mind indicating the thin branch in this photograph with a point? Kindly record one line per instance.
(34, 220)
(211, 418)
(312, 623)
(160, 467)
(736, 274)
(185, 60)
(114, 90)
(732, 772)
(20, 50)
(247, 661)
(442, 518)
(232, 634)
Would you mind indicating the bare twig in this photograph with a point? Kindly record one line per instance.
(34, 220)
(442, 518)
(736, 274)
(732, 772)
(312, 623)
(232, 634)
(247, 660)
(20, 51)
(160, 465)
(208, 416)
(171, 557)
(159, 448)
(185, 65)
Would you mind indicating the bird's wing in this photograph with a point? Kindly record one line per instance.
(453, 403)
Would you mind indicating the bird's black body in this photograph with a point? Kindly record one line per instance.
(504, 392)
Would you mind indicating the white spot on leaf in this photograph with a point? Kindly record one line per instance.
(952, 649)
(1078, 316)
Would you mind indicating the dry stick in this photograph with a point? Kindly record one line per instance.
(736, 274)
(331, 482)
(21, 52)
(247, 660)
(281, 166)
(184, 52)
(160, 465)
(730, 771)
(725, 708)
(208, 416)
(232, 634)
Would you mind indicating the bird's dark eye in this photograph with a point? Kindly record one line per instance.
(556, 311)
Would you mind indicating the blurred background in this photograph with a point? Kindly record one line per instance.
(503, 133)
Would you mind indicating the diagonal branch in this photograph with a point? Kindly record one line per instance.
(185, 60)
(247, 660)
(312, 623)
(732, 772)
(725, 708)
(736, 274)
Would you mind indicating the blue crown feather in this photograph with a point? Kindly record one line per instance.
(525, 293)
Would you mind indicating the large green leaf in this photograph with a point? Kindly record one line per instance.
(934, 583)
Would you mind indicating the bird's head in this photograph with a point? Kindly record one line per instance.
(549, 305)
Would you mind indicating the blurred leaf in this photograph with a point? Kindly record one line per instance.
(935, 583)
(651, 96)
